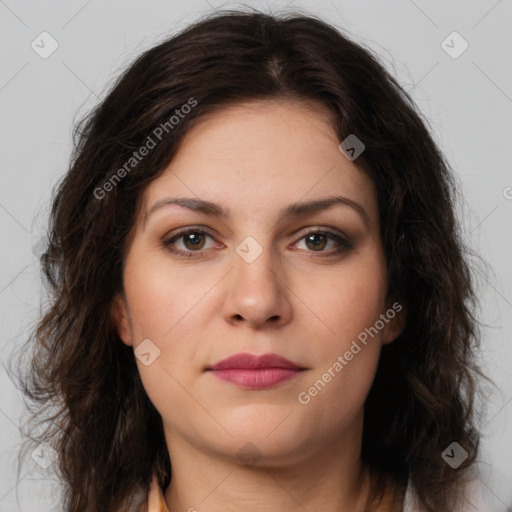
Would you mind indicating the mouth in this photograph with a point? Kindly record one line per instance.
(255, 372)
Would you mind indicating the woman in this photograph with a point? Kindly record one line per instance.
(260, 296)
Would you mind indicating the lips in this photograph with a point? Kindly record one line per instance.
(255, 372)
(251, 362)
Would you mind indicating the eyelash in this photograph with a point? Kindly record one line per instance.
(344, 243)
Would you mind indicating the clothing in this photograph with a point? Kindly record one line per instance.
(156, 503)
(410, 500)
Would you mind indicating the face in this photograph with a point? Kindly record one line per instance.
(255, 270)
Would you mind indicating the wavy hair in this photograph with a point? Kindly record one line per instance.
(108, 435)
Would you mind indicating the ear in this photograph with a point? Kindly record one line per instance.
(395, 315)
(121, 320)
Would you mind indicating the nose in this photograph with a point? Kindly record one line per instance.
(257, 293)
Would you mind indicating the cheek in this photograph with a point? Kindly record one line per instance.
(335, 392)
(158, 299)
(348, 340)
(347, 303)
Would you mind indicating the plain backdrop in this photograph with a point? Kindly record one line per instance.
(466, 96)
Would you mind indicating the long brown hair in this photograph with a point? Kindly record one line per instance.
(108, 435)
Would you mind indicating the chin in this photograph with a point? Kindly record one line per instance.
(259, 445)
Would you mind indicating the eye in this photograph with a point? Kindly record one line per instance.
(193, 242)
(316, 241)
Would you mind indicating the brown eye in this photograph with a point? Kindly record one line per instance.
(316, 241)
(187, 243)
(193, 240)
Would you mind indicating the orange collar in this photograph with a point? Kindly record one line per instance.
(156, 502)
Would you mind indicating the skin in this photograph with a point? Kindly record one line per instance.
(298, 299)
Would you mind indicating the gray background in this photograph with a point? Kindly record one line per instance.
(467, 101)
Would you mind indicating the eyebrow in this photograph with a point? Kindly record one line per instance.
(292, 210)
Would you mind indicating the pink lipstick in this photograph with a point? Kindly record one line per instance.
(255, 372)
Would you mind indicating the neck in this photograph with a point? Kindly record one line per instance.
(330, 479)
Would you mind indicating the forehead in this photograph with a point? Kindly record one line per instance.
(255, 155)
